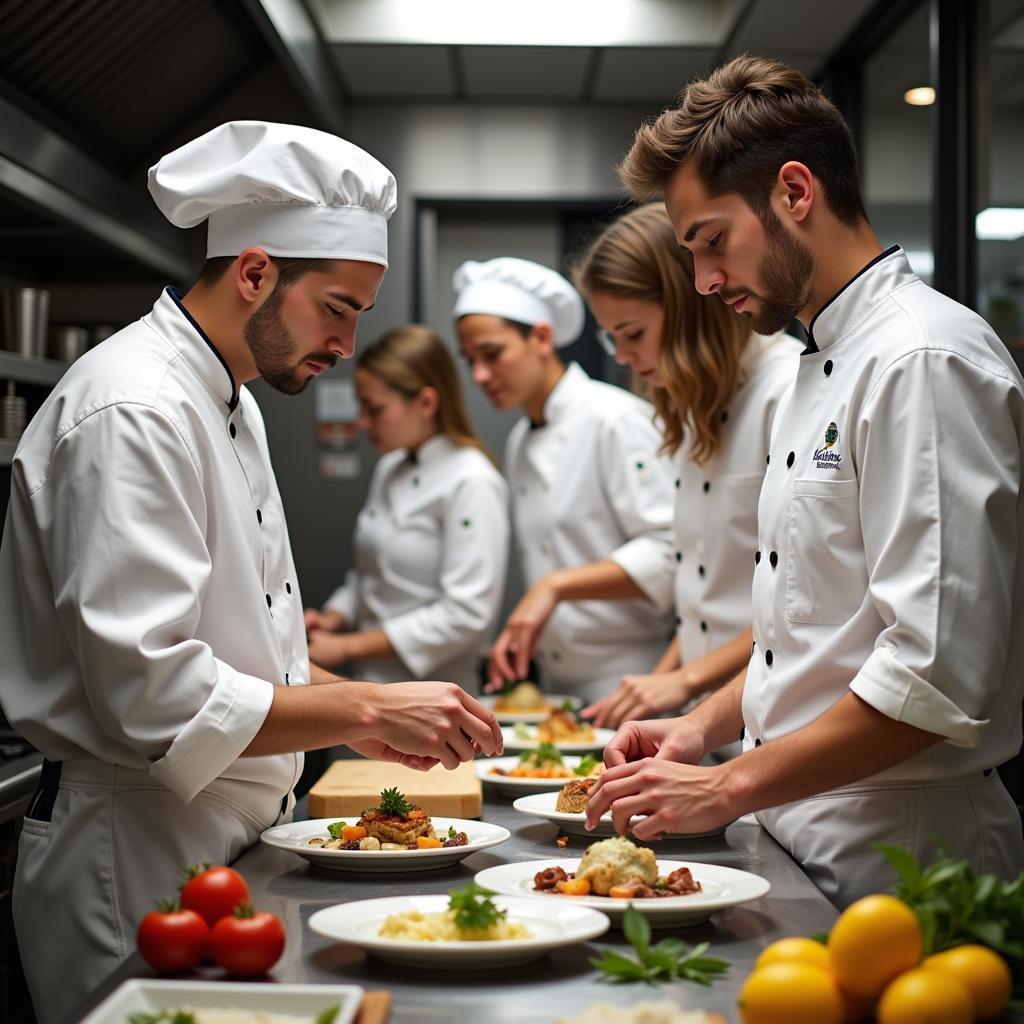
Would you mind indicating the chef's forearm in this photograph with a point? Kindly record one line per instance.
(718, 666)
(850, 742)
(720, 717)
(373, 643)
(596, 581)
(312, 717)
(669, 661)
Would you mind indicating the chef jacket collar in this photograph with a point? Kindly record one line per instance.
(205, 359)
(872, 283)
(563, 395)
(433, 449)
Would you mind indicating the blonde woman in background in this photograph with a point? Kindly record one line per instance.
(431, 541)
(716, 387)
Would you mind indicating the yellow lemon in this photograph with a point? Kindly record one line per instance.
(982, 972)
(805, 951)
(873, 940)
(790, 992)
(925, 997)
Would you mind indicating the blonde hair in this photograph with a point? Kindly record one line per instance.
(413, 357)
(738, 126)
(702, 340)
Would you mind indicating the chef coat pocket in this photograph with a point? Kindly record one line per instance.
(825, 574)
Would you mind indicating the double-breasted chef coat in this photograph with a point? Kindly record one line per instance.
(890, 532)
(431, 551)
(588, 485)
(148, 606)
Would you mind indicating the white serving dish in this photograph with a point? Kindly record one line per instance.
(555, 701)
(512, 786)
(515, 744)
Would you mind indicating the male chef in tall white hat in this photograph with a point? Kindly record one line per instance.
(151, 630)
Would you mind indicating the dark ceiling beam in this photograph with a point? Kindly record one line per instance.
(44, 171)
(294, 35)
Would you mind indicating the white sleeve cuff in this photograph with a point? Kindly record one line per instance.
(343, 601)
(901, 694)
(649, 564)
(225, 725)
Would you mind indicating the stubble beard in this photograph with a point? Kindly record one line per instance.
(786, 271)
(273, 349)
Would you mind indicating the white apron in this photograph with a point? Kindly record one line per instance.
(892, 521)
(148, 605)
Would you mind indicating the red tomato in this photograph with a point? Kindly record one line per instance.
(172, 940)
(214, 893)
(248, 943)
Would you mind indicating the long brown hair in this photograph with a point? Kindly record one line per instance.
(702, 342)
(413, 357)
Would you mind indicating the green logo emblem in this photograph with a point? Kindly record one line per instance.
(831, 435)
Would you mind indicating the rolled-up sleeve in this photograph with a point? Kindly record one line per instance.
(125, 545)
(939, 450)
(472, 580)
(638, 484)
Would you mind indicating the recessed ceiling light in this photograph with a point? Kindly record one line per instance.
(922, 96)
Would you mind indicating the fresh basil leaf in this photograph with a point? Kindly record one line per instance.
(335, 827)
(903, 863)
(327, 1016)
(637, 930)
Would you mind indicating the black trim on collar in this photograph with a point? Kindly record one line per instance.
(812, 345)
(176, 296)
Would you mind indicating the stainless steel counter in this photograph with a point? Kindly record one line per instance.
(563, 983)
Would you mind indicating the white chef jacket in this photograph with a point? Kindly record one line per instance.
(431, 551)
(148, 598)
(715, 520)
(889, 526)
(589, 485)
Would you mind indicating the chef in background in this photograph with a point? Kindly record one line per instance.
(887, 673)
(151, 635)
(716, 388)
(431, 541)
(586, 478)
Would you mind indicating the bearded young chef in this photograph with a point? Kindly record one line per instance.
(151, 634)
(887, 674)
(583, 468)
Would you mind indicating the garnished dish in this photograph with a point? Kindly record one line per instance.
(547, 762)
(230, 1015)
(564, 727)
(618, 868)
(561, 729)
(395, 825)
(526, 702)
(471, 916)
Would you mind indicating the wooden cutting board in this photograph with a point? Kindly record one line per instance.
(348, 788)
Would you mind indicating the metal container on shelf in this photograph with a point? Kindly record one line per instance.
(68, 343)
(26, 317)
(13, 412)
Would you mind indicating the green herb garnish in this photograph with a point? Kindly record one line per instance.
(667, 960)
(335, 827)
(451, 832)
(546, 753)
(567, 706)
(327, 1016)
(162, 1017)
(586, 765)
(393, 802)
(473, 908)
(522, 731)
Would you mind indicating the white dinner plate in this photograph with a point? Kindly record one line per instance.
(515, 744)
(542, 805)
(549, 927)
(512, 786)
(150, 996)
(294, 838)
(554, 701)
(722, 887)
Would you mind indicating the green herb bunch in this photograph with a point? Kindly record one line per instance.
(667, 960)
(586, 765)
(393, 802)
(955, 906)
(473, 907)
(546, 753)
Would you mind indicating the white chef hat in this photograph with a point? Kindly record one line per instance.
(289, 190)
(522, 291)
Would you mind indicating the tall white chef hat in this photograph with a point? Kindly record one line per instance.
(522, 291)
(289, 190)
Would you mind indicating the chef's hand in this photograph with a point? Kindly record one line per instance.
(511, 653)
(668, 796)
(670, 739)
(330, 650)
(639, 697)
(436, 720)
(377, 750)
(332, 622)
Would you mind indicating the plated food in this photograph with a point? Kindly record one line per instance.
(646, 1012)
(471, 916)
(412, 939)
(579, 738)
(549, 805)
(525, 702)
(534, 771)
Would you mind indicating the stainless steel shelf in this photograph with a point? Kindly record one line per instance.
(7, 452)
(30, 371)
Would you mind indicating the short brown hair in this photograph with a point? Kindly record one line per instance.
(289, 269)
(702, 342)
(739, 126)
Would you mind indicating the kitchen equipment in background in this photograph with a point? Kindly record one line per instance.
(68, 343)
(13, 412)
(26, 317)
(100, 333)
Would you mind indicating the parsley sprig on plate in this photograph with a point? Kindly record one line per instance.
(546, 753)
(667, 960)
(393, 802)
(473, 908)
